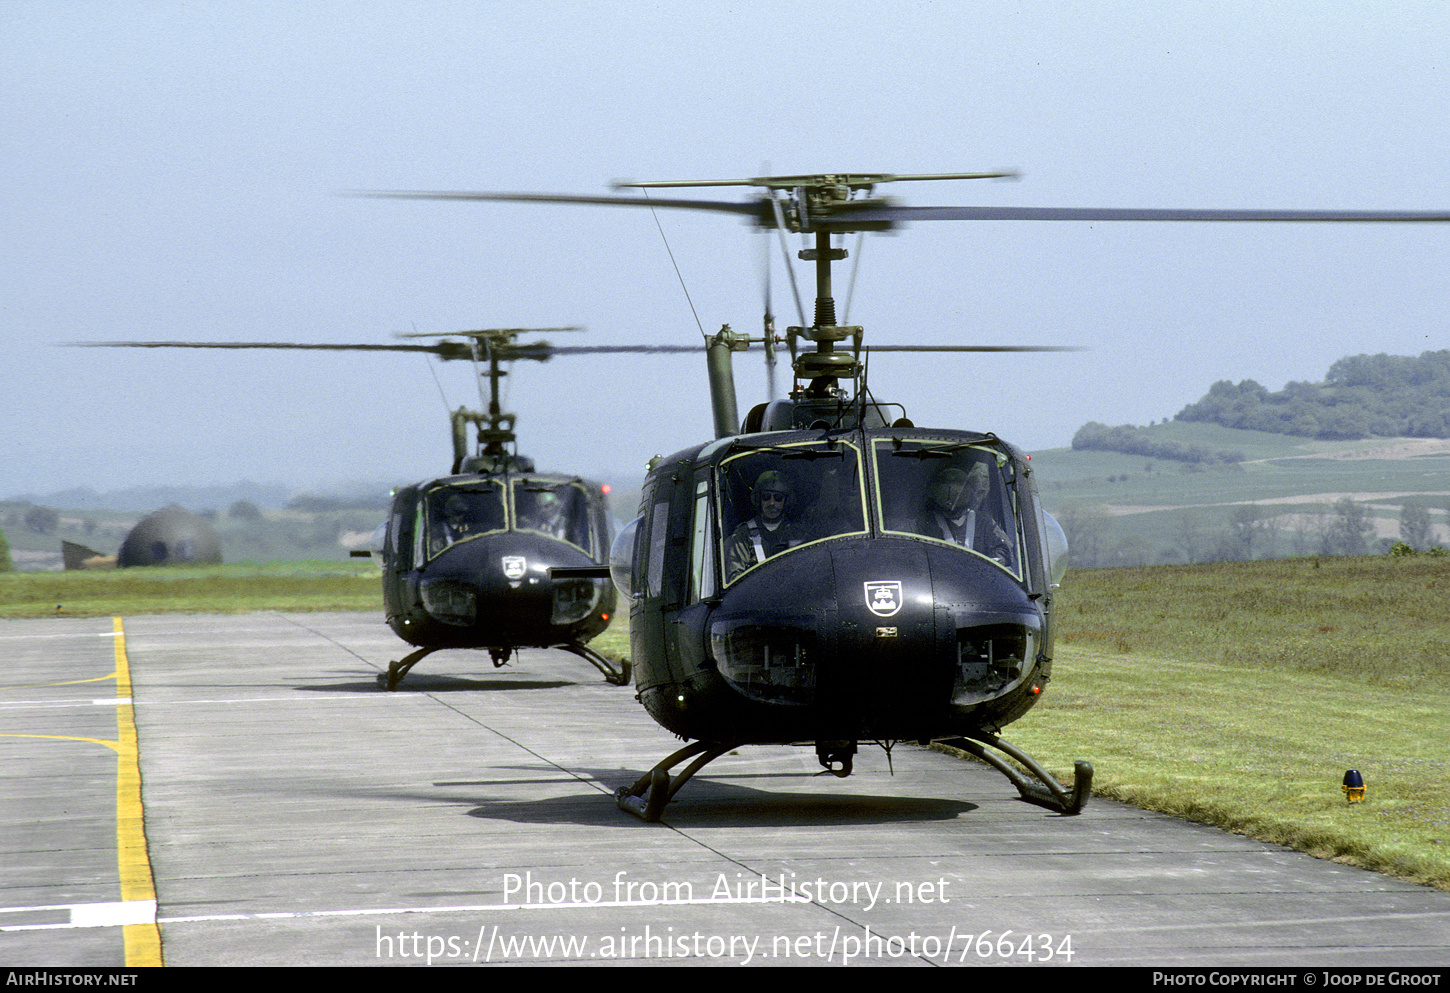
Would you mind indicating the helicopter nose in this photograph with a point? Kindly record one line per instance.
(841, 629)
(875, 640)
(507, 590)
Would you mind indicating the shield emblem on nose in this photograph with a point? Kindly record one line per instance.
(883, 598)
(514, 566)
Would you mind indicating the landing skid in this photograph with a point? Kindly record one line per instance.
(617, 677)
(1046, 792)
(647, 798)
(613, 676)
(397, 670)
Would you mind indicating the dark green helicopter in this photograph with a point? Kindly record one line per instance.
(467, 558)
(829, 573)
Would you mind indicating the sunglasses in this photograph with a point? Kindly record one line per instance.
(773, 497)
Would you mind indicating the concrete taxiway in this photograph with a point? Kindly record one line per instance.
(273, 806)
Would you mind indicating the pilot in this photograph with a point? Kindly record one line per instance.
(957, 511)
(772, 530)
(457, 519)
(548, 516)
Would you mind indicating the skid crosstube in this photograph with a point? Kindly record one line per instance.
(614, 676)
(646, 799)
(1047, 791)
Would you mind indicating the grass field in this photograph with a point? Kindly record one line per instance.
(221, 589)
(1235, 694)
(1238, 694)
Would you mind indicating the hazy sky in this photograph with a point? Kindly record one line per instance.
(170, 171)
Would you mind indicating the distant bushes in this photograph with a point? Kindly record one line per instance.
(245, 510)
(312, 504)
(1132, 441)
(1400, 550)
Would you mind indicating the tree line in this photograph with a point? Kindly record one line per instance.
(1362, 396)
(1128, 439)
(1249, 531)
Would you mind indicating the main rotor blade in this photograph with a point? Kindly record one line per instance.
(607, 349)
(442, 348)
(857, 215)
(854, 215)
(490, 332)
(748, 209)
(889, 213)
(973, 348)
(446, 350)
(842, 179)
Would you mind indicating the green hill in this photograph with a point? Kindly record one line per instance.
(1286, 498)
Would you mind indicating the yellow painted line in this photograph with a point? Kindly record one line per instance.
(143, 941)
(75, 682)
(113, 745)
(72, 682)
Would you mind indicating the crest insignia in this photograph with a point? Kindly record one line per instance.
(883, 598)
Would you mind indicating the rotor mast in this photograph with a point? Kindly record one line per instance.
(825, 365)
(823, 205)
(494, 429)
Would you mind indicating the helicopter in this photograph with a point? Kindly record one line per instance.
(467, 558)
(825, 572)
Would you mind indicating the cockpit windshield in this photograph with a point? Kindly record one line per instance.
(775, 498)
(456, 512)
(964, 495)
(462, 511)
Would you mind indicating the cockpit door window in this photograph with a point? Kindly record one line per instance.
(704, 567)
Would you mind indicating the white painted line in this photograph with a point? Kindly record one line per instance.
(85, 915)
(29, 910)
(81, 915)
(489, 908)
(295, 698)
(113, 914)
(114, 701)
